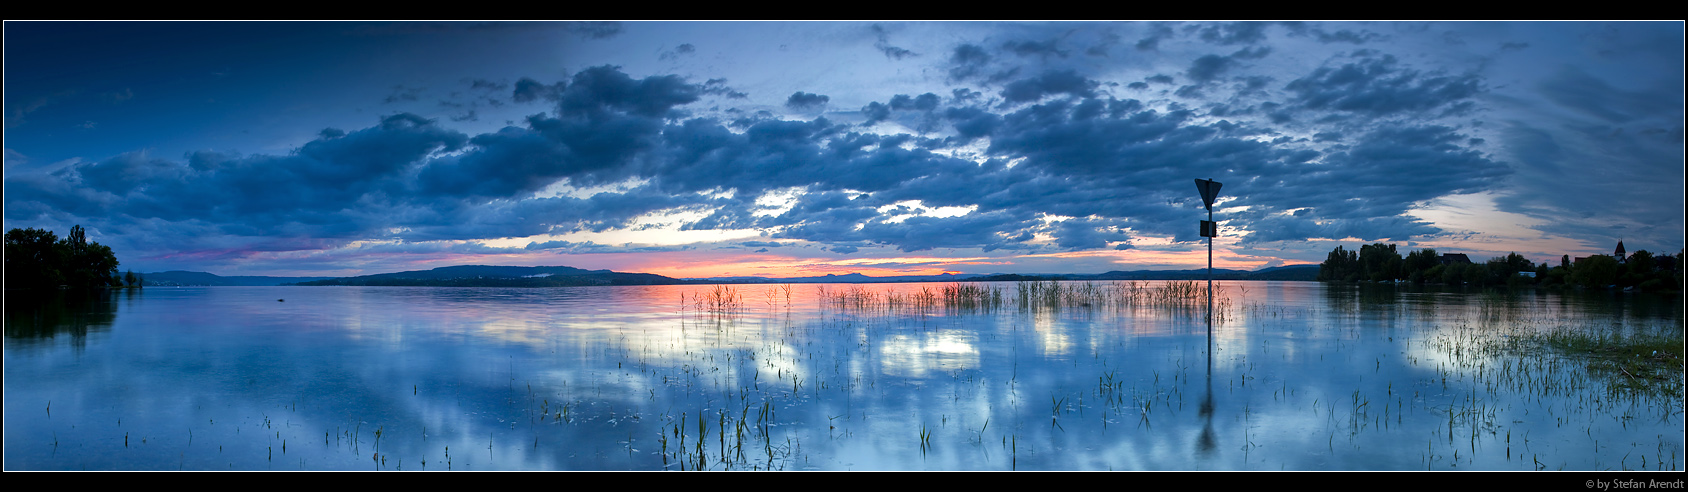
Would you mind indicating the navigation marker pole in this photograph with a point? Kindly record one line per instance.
(1209, 190)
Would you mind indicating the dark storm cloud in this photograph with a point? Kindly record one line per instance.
(595, 30)
(1158, 32)
(1234, 33)
(1049, 83)
(1581, 170)
(875, 112)
(1208, 67)
(923, 102)
(510, 161)
(1064, 160)
(1081, 234)
(719, 87)
(803, 101)
(605, 119)
(332, 187)
(1042, 49)
(883, 44)
(1346, 36)
(597, 91)
(1319, 33)
(1366, 190)
(1377, 84)
(916, 111)
(972, 123)
(487, 85)
(532, 90)
(968, 61)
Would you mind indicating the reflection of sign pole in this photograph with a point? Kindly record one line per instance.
(1209, 190)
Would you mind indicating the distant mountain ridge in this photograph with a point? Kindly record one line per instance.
(500, 276)
(1292, 272)
(564, 276)
(840, 279)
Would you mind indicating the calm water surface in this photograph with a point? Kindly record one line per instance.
(1291, 376)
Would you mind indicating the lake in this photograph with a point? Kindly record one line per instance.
(998, 376)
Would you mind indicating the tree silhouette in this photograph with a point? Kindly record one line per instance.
(34, 259)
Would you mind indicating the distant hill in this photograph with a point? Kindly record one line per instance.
(1307, 273)
(562, 276)
(848, 278)
(1295, 272)
(500, 276)
(178, 278)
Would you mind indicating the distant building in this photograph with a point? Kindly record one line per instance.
(1451, 258)
(1528, 274)
(1619, 254)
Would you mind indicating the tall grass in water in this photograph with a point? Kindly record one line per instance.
(1509, 347)
(720, 302)
(1176, 295)
(958, 296)
(1184, 296)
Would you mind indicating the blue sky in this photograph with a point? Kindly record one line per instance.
(802, 148)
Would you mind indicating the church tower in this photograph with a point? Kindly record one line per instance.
(1620, 252)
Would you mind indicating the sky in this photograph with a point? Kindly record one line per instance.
(704, 149)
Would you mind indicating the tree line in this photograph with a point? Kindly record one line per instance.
(1383, 263)
(38, 259)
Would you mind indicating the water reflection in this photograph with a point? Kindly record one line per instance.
(1205, 442)
(1285, 375)
(40, 316)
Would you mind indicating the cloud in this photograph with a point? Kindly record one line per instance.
(677, 52)
(1378, 85)
(1038, 153)
(719, 87)
(1107, 164)
(333, 187)
(598, 90)
(594, 30)
(1208, 67)
(1578, 91)
(1151, 42)
(1234, 33)
(968, 61)
(1043, 49)
(803, 101)
(1347, 36)
(1049, 83)
(487, 85)
(1319, 33)
(883, 44)
(532, 90)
